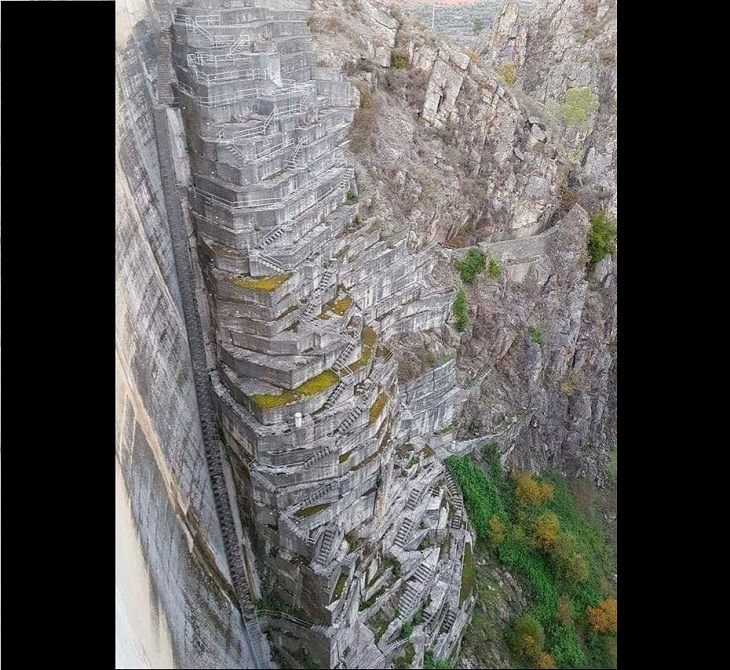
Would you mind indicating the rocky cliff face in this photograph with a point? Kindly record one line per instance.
(515, 160)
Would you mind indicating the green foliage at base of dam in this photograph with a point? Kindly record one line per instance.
(535, 528)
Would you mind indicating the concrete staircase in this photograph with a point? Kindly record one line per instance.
(414, 587)
(413, 499)
(403, 532)
(319, 493)
(293, 162)
(274, 236)
(165, 95)
(314, 303)
(455, 493)
(336, 393)
(346, 426)
(328, 540)
(344, 355)
(448, 621)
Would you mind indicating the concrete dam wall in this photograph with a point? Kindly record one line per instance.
(174, 601)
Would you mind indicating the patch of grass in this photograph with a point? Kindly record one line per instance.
(309, 511)
(369, 336)
(473, 263)
(378, 624)
(600, 239)
(399, 59)
(467, 574)
(406, 631)
(266, 284)
(494, 270)
(405, 661)
(535, 334)
(459, 309)
(508, 72)
(339, 587)
(377, 407)
(316, 384)
(336, 306)
(448, 429)
(345, 456)
(431, 663)
(351, 197)
(578, 104)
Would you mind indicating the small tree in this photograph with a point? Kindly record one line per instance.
(568, 561)
(495, 531)
(477, 26)
(545, 530)
(545, 661)
(526, 638)
(530, 492)
(602, 618)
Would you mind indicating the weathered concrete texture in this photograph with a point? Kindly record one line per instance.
(326, 461)
(173, 594)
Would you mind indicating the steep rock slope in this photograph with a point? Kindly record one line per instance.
(446, 144)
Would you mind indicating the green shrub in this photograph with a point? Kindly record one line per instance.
(474, 262)
(494, 270)
(351, 197)
(430, 663)
(406, 630)
(578, 103)
(399, 59)
(508, 72)
(477, 26)
(526, 637)
(600, 239)
(460, 311)
(535, 334)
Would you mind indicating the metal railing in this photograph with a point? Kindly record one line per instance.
(214, 59)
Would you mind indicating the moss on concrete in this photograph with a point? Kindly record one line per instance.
(368, 341)
(336, 306)
(266, 284)
(287, 312)
(309, 511)
(467, 574)
(366, 461)
(377, 407)
(339, 587)
(316, 384)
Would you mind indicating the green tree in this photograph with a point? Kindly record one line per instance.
(477, 26)
(600, 239)
(526, 637)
